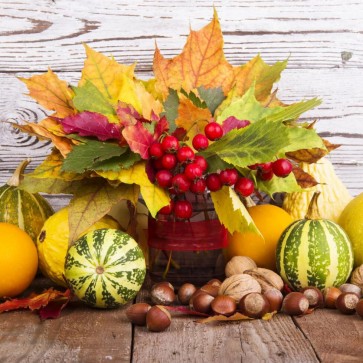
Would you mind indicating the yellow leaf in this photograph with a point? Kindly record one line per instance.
(63, 144)
(234, 317)
(149, 105)
(257, 72)
(51, 168)
(154, 197)
(231, 211)
(201, 63)
(52, 93)
(128, 93)
(192, 118)
(105, 73)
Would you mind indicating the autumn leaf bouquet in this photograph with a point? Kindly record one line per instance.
(200, 126)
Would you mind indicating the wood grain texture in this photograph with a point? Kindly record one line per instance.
(82, 334)
(335, 337)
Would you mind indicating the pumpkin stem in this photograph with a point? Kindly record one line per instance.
(313, 210)
(17, 177)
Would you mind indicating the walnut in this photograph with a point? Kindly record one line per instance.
(357, 277)
(268, 279)
(238, 265)
(237, 286)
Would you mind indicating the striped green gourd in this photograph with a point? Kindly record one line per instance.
(105, 268)
(26, 210)
(314, 252)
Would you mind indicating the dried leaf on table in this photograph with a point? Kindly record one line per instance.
(234, 317)
(58, 299)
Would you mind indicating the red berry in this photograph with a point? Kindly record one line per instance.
(167, 209)
(213, 131)
(200, 160)
(198, 186)
(200, 142)
(157, 164)
(282, 167)
(244, 186)
(180, 183)
(267, 175)
(183, 209)
(193, 171)
(265, 167)
(163, 178)
(213, 182)
(185, 154)
(253, 166)
(228, 176)
(168, 161)
(170, 144)
(155, 150)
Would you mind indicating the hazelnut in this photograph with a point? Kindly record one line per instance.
(357, 276)
(314, 295)
(330, 295)
(210, 289)
(137, 313)
(238, 265)
(185, 292)
(214, 282)
(274, 297)
(224, 305)
(162, 294)
(254, 305)
(202, 303)
(158, 318)
(295, 303)
(163, 283)
(347, 302)
(359, 308)
(351, 288)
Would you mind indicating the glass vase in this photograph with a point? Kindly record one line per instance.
(187, 250)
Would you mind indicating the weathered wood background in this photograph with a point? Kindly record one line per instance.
(323, 40)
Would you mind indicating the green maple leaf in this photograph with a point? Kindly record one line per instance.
(278, 185)
(212, 97)
(171, 105)
(84, 156)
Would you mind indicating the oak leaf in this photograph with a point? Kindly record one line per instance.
(201, 63)
(52, 93)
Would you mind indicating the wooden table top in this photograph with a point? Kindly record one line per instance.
(324, 43)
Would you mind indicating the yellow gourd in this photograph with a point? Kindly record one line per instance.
(334, 196)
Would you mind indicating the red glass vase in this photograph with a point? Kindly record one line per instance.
(187, 250)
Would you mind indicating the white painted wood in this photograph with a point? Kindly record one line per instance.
(313, 34)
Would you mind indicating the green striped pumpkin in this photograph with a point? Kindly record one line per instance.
(105, 268)
(26, 210)
(314, 252)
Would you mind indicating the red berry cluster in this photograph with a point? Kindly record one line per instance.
(178, 169)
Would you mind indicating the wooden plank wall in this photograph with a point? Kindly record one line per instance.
(322, 39)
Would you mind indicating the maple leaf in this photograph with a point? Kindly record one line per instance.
(191, 118)
(52, 93)
(149, 105)
(91, 124)
(108, 76)
(94, 199)
(257, 72)
(232, 122)
(201, 63)
(38, 302)
(138, 138)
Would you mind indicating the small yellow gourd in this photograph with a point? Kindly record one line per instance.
(334, 196)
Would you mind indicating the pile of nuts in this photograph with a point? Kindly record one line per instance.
(247, 289)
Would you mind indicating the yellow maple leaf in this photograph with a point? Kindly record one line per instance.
(154, 197)
(257, 72)
(201, 63)
(192, 118)
(51, 92)
(105, 74)
(149, 105)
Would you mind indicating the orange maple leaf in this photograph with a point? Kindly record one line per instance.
(51, 92)
(201, 63)
(192, 118)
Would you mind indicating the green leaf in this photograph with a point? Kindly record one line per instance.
(171, 105)
(89, 98)
(84, 156)
(124, 161)
(247, 108)
(94, 199)
(278, 185)
(194, 98)
(257, 143)
(213, 97)
(231, 211)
